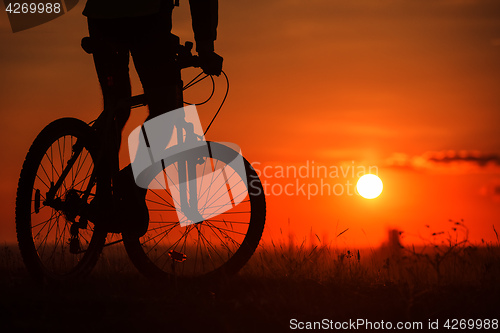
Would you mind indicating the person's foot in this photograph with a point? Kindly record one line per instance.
(126, 211)
(132, 212)
(103, 215)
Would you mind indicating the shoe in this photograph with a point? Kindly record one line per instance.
(131, 211)
(103, 215)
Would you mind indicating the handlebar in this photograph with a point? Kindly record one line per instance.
(184, 56)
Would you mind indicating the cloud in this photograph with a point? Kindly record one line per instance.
(449, 161)
(464, 156)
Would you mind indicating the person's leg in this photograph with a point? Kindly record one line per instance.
(111, 59)
(154, 60)
(153, 53)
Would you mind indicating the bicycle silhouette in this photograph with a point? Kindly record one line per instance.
(206, 203)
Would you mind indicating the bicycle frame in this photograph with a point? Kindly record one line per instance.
(186, 169)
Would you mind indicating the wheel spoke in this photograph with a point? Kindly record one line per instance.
(47, 228)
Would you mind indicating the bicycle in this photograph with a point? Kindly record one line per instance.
(66, 169)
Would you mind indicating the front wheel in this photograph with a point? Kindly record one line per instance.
(232, 205)
(54, 242)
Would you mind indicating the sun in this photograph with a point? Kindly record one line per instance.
(369, 186)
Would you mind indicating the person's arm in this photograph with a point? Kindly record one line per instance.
(204, 14)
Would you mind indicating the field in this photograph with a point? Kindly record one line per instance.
(448, 278)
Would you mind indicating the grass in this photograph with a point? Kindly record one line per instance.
(446, 278)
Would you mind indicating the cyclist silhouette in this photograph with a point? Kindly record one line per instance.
(142, 28)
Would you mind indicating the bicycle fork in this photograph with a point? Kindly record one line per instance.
(187, 176)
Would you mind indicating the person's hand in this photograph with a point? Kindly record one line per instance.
(211, 63)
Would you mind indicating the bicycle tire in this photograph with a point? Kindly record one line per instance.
(42, 231)
(160, 265)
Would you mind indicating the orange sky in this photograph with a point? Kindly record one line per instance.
(411, 87)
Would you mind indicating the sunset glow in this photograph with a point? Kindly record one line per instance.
(406, 88)
(341, 172)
